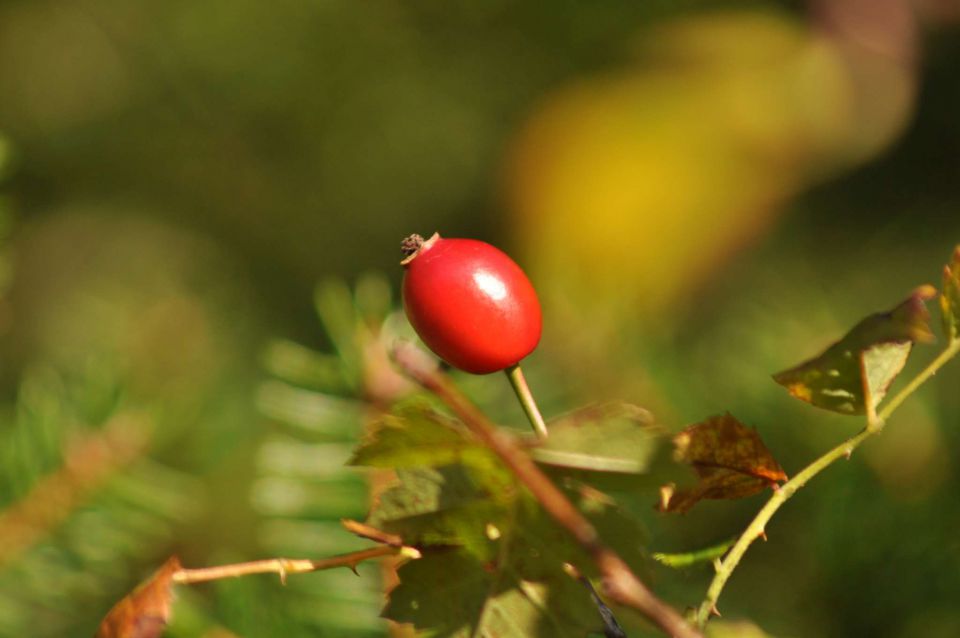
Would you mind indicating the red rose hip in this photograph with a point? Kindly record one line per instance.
(470, 303)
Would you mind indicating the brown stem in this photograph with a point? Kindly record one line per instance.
(371, 533)
(620, 583)
(284, 566)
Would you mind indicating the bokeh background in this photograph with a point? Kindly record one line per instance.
(201, 206)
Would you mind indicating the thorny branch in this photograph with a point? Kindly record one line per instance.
(285, 566)
(756, 527)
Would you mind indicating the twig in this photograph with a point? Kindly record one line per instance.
(529, 404)
(284, 566)
(371, 533)
(620, 583)
(788, 489)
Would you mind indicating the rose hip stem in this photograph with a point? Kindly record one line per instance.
(529, 404)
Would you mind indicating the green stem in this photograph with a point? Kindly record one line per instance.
(756, 529)
(519, 383)
(788, 489)
(686, 559)
(948, 353)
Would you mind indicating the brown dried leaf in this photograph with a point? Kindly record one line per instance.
(728, 457)
(145, 611)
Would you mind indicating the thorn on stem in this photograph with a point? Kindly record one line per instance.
(714, 611)
(848, 452)
(762, 534)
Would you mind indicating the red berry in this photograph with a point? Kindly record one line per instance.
(470, 303)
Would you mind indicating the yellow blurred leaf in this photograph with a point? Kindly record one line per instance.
(630, 188)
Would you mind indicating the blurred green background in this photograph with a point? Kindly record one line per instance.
(704, 194)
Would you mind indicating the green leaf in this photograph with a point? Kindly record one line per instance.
(538, 544)
(853, 375)
(950, 297)
(453, 595)
(446, 506)
(502, 552)
(418, 436)
(501, 556)
(611, 437)
(438, 506)
(450, 485)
